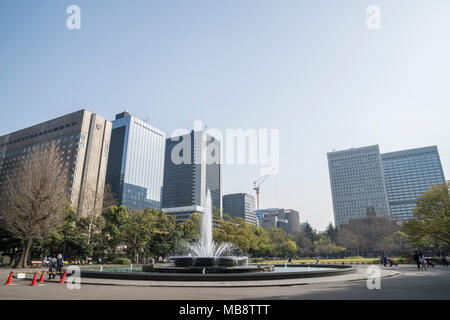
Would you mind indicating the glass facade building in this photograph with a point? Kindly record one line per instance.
(240, 205)
(136, 162)
(196, 170)
(408, 174)
(357, 183)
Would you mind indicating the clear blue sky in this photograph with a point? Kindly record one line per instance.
(309, 68)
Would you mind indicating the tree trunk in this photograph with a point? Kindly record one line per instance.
(26, 251)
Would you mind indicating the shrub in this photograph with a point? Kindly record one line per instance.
(122, 261)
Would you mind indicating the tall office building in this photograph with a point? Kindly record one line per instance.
(408, 174)
(240, 205)
(83, 138)
(191, 167)
(136, 162)
(293, 219)
(357, 183)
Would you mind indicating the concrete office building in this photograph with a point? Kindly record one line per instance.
(240, 205)
(83, 138)
(408, 174)
(191, 167)
(362, 180)
(293, 219)
(283, 224)
(287, 219)
(269, 221)
(357, 183)
(136, 162)
(261, 212)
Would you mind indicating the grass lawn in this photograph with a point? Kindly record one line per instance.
(351, 260)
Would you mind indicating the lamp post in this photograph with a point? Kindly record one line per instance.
(357, 248)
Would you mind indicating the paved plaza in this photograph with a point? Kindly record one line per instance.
(402, 282)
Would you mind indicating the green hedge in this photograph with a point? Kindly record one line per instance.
(122, 261)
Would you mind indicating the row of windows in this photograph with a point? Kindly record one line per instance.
(37, 146)
(38, 134)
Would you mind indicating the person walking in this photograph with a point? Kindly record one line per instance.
(384, 259)
(50, 269)
(52, 266)
(416, 260)
(444, 260)
(59, 262)
(422, 261)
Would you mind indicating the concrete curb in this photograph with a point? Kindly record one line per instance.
(234, 284)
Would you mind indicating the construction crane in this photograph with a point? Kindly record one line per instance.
(257, 184)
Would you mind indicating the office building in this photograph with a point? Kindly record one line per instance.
(357, 183)
(136, 162)
(287, 219)
(262, 212)
(191, 167)
(293, 219)
(408, 174)
(83, 138)
(269, 221)
(283, 224)
(240, 205)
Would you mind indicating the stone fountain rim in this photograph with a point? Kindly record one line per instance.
(195, 277)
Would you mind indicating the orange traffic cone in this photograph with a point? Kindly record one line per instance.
(33, 282)
(9, 281)
(41, 279)
(63, 278)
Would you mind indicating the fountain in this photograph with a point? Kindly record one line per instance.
(210, 261)
(206, 254)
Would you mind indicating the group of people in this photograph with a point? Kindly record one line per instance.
(423, 262)
(54, 265)
(385, 260)
(153, 260)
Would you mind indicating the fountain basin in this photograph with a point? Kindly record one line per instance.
(207, 270)
(222, 261)
(280, 272)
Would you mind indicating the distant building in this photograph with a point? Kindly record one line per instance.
(365, 182)
(269, 221)
(240, 205)
(191, 167)
(83, 138)
(290, 216)
(357, 182)
(283, 224)
(136, 162)
(261, 212)
(408, 174)
(293, 218)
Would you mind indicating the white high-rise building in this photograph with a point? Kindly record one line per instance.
(357, 183)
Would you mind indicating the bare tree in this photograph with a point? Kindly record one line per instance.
(91, 221)
(35, 197)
